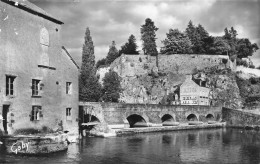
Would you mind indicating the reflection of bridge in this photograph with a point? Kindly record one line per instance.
(128, 115)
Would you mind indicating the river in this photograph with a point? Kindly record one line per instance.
(214, 146)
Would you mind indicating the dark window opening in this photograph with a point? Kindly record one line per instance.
(36, 114)
(10, 85)
(35, 87)
(68, 87)
(68, 113)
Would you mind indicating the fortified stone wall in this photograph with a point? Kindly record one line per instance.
(134, 65)
(236, 118)
(117, 113)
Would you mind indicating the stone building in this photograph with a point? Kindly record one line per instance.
(193, 94)
(38, 77)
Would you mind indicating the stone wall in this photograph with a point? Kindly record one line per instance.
(117, 113)
(239, 118)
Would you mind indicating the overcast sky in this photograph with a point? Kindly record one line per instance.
(116, 20)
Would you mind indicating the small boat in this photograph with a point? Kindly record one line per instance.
(195, 122)
(170, 123)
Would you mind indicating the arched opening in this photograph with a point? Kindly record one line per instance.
(90, 118)
(89, 122)
(136, 121)
(167, 117)
(210, 117)
(192, 117)
(168, 120)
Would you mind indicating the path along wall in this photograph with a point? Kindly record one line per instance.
(117, 113)
(237, 118)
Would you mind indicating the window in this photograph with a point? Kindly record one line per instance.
(35, 87)
(68, 114)
(36, 114)
(9, 85)
(68, 88)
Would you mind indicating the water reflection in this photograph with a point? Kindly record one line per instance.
(195, 146)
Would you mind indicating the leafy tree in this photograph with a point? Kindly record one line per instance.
(130, 47)
(220, 46)
(112, 53)
(230, 36)
(176, 42)
(245, 48)
(148, 37)
(101, 62)
(111, 87)
(202, 36)
(199, 38)
(89, 87)
(208, 44)
(190, 30)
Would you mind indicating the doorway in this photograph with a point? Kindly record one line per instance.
(4, 114)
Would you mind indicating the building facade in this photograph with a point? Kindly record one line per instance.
(193, 94)
(38, 77)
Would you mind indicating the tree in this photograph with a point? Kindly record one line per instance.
(198, 36)
(130, 47)
(148, 37)
(111, 87)
(89, 87)
(101, 62)
(208, 44)
(220, 46)
(245, 48)
(230, 37)
(112, 53)
(176, 42)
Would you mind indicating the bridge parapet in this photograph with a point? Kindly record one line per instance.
(118, 113)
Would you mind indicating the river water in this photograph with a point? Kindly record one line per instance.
(215, 146)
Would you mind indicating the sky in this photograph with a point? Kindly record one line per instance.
(116, 20)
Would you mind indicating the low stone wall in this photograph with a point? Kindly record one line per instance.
(238, 118)
(35, 145)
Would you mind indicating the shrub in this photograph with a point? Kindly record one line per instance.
(251, 66)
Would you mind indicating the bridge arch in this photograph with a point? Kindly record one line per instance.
(136, 120)
(210, 117)
(90, 118)
(167, 117)
(192, 117)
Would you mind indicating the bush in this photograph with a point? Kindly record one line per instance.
(242, 62)
(224, 61)
(251, 66)
(253, 80)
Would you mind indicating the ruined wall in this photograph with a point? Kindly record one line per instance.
(236, 118)
(21, 54)
(117, 113)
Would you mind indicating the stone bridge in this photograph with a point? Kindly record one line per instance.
(121, 114)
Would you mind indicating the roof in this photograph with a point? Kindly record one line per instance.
(31, 8)
(68, 54)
